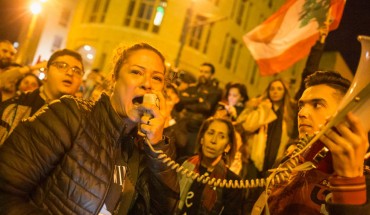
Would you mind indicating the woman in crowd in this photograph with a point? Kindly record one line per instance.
(268, 121)
(216, 144)
(28, 83)
(236, 96)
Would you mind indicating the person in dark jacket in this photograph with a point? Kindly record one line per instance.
(64, 71)
(80, 157)
(216, 143)
(199, 102)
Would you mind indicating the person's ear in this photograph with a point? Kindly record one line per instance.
(201, 141)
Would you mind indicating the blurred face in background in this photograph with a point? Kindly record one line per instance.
(276, 91)
(7, 54)
(205, 72)
(171, 98)
(234, 96)
(215, 140)
(28, 83)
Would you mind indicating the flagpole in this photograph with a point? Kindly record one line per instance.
(312, 63)
(313, 60)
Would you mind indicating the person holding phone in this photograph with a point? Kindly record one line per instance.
(80, 157)
(235, 98)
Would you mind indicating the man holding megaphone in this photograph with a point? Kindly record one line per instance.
(338, 184)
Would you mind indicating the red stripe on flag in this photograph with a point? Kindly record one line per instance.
(337, 8)
(270, 66)
(265, 32)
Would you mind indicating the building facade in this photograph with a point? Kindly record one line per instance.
(187, 32)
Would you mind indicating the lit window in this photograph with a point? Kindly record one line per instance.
(145, 14)
(158, 16)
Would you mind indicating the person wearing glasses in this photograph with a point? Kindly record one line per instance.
(95, 157)
(64, 72)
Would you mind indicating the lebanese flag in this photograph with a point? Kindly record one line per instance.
(288, 35)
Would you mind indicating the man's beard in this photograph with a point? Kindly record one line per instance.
(5, 63)
(9, 88)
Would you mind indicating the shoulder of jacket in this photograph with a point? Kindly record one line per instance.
(81, 103)
(66, 101)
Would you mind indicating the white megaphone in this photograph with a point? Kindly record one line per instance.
(357, 98)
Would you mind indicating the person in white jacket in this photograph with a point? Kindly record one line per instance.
(268, 124)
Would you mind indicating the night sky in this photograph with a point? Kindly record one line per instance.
(355, 21)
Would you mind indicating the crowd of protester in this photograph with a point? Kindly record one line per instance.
(69, 145)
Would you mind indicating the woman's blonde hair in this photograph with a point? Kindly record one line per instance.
(122, 53)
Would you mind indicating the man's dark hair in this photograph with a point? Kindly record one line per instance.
(210, 66)
(330, 78)
(64, 52)
(6, 41)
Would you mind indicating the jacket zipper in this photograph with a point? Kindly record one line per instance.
(112, 173)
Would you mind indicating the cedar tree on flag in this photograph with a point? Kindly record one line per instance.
(288, 35)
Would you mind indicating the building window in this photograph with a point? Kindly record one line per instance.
(130, 12)
(215, 2)
(224, 47)
(254, 73)
(270, 4)
(105, 9)
(99, 11)
(64, 17)
(247, 15)
(57, 43)
(237, 58)
(196, 32)
(142, 20)
(241, 9)
(230, 53)
(205, 48)
(232, 13)
(145, 14)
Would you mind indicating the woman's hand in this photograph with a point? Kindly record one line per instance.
(152, 123)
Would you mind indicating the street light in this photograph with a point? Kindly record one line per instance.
(35, 8)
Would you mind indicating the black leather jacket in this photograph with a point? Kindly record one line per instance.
(61, 161)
